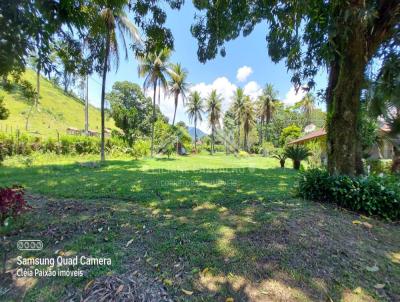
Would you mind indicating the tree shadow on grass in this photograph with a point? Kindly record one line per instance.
(217, 232)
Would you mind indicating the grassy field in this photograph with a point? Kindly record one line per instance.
(197, 228)
(56, 111)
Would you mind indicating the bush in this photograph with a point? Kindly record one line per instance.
(370, 195)
(297, 154)
(12, 203)
(268, 149)
(378, 166)
(141, 148)
(27, 90)
(243, 154)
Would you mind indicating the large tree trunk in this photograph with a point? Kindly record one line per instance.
(154, 117)
(354, 49)
(343, 97)
(103, 94)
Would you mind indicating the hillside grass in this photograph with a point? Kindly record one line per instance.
(207, 228)
(56, 111)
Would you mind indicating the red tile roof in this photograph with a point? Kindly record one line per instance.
(309, 136)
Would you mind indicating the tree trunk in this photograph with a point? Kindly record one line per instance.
(296, 164)
(37, 85)
(87, 106)
(238, 136)
(212, 140)
(154, 117)
(346, 76)
(195, 134)
(103, 93)
(176, 106)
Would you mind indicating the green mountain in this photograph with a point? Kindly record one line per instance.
(56, 111)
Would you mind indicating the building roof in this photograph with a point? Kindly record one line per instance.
(322, 132)
(309, 136)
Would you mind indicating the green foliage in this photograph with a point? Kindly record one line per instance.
(141, 148)
(316, 151)
(267, 149)
(368, 195)
(130, 109)
(289, 133)
(4, 112)
(25, 145)
(27, 90)
(243, 154)
(297, 153)
(378, 166)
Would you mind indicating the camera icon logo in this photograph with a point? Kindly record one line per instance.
(30, 245)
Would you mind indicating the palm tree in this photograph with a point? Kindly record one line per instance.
(178, 85)
(155, 68)
(238, 108)
(266, 106)
(214, 114)
(307, 106)
(248, 119)
(195, 111)
(111, 21)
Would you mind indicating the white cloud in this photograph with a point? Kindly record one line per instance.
(293, 97)
(253, 90)
(243, 73)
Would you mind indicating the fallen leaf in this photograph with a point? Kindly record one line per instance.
(187, 292)
(119, 289)
(205, 271)
(129, 242)
(100, 229)
(89, 284)
(379, 286)
(229, 299)
(357, 222)
(367, 224)
(372, 269)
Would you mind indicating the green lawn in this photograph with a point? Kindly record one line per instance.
(200, 228)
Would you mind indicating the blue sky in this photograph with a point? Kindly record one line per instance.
(247, 54)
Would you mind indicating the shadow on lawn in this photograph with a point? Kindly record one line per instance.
(217, 232)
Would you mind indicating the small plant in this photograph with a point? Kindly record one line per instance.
(281, 156)
(12, 203)
(297, 154)
(243, 154)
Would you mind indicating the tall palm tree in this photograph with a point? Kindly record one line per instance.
(266, 106)
(307, 106)
(248, 119)
(112, 20)
(238, 108)
(214, 114)
(178, 85)
(195, 111)
(155, 67)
